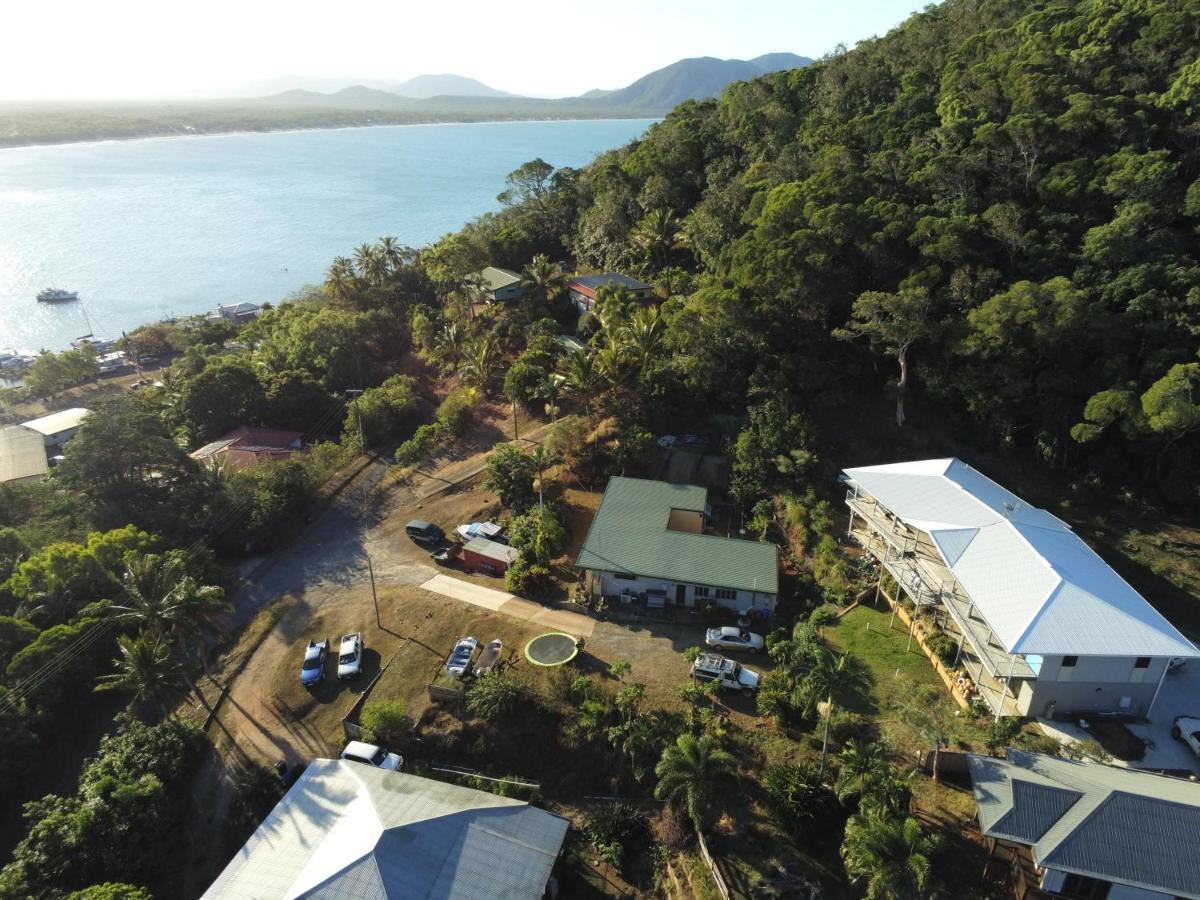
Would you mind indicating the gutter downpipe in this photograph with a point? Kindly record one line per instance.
(1161, 679)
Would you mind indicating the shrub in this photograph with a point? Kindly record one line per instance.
(387, 720)
(795, 794)
(494, 696)
(822, 616)
(539, 534)
(1001, 733)
(613, 828)
(942, 646)
(257, 789)
(112, 890)
(422, 445)
(455, 411)
(846, 726)
(526, 578)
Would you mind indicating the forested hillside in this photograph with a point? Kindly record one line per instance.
(1000, 197)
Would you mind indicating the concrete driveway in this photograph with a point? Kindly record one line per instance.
(498, 601)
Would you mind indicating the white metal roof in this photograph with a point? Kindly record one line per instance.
(63, 420)
(1041, 589)
(347, 831)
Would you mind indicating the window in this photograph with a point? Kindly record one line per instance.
(726, 594)
(700, 591)
(1067, 669)
(621, 576)
(1140, 665)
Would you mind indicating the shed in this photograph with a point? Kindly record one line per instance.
(58, 428)
(22, 454)
(499, 285)
(489, 556)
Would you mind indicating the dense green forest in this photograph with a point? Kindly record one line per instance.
(981, 228)
(999, 200)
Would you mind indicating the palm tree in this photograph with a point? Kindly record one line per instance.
(147, 669)
(448, 344)
(642, 336)
(862, 763)
(369, 264)
(636, 738)
(612, 363)
(824, 673)
(890, 855)
(392, 252)
(479, 364)
(584, 379)
(52, 606)
(542, 460)
(542, 279)
(691, 772)
(339, 279)
(550, 388)
(656, 236)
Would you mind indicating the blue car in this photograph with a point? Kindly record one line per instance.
(313, 670)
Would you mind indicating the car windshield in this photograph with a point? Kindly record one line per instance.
(313, 663)
(378, 756)
(346, 658)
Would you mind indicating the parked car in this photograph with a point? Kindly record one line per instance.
(350, 655)
(731, 638)
(423, 532)
(313, 670)
(1187, 729)
(729, 675)
(667, 441)
(371, 755)
(692, 440)
(459, 662)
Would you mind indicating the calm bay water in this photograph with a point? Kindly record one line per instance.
(149, 228)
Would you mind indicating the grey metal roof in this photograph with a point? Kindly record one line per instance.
(346, 831)
(56, 422)
(629, 534)
(595, 282)
(1120, 825)
(1040, 588)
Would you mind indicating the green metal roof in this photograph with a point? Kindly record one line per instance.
(494, 279)
(1119, 825)
(629, 534)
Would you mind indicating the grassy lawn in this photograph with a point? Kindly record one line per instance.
(898, 676)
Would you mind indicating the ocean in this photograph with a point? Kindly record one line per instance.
(148, 229)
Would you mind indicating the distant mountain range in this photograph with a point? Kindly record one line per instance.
(688, 79)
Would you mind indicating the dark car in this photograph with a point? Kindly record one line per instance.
(424, 532)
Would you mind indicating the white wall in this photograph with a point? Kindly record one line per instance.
(612, 586)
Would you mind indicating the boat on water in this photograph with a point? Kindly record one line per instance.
(57, 295)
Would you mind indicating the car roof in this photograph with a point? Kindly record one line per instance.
(313, 649)
(361, 748)
(418, 523)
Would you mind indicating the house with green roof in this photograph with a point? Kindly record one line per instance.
(498, 285)
(1069, 829)
(648, 538)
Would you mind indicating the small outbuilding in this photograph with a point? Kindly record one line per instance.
(488, 556)
(247, 445)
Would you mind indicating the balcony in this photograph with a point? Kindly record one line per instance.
(911, 558)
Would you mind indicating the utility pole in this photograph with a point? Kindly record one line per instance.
(374, 596)
(516, 433)
(362, 441)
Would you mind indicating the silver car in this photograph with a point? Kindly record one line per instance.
(730, 638)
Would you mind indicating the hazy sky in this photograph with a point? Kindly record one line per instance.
(151, 48)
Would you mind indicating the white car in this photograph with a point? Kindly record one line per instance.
(1187, 729)
(667, 441)
(730, 638)
(371, 755)
(729, 675)
(459, 662)
(350, 655)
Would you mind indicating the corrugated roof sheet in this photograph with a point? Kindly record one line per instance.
(1041, 589)
(63, 420)
(629, 534)
(1125, 826)
(22, 453)
(594, 282)
(346, 830)
(494, 279)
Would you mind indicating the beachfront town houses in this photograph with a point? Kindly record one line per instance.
(1042, 624)
(583, 289)
(648, 543)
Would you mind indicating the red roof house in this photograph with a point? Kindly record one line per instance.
(247, 445)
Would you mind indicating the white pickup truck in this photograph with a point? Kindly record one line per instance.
(1187, 729)
(350, 655)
